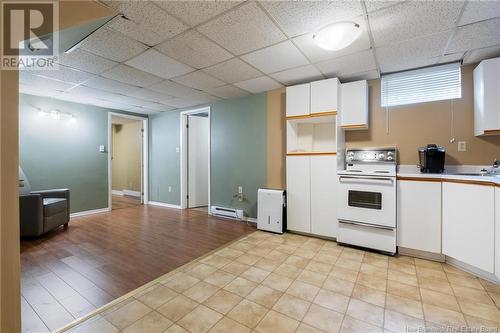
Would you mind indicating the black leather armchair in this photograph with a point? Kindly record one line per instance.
(41, 211)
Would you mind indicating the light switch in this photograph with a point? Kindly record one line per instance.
(177, 149)
(170, 189)
(240, 189)
(102, 149)
(462, 146)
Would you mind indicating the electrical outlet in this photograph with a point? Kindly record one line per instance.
(170, 188)
(240, 189)
(462, 146)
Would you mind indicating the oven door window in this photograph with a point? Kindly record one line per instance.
(363, 199)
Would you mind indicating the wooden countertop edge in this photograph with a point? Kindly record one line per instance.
(311, 153)
(312, 115)
(449, 180)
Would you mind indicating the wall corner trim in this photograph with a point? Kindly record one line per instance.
(162, 204)
(90, 212)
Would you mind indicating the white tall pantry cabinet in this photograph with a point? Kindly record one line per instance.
(313, 139)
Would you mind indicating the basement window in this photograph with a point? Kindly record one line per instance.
(421, 85)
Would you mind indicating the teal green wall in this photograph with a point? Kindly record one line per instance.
(164, 161)
(238, 153)
(64, 154)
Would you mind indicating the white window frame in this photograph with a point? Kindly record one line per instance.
(427, 84)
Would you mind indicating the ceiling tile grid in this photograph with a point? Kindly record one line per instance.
(299, 17)
(243, 29)
(276, 58)
(156, 63)
(234, 70)
(199, 80)
(171, 54)
(194, 49)
(260, 84)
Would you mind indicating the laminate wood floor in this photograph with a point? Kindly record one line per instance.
(68, 273)
(120, 201)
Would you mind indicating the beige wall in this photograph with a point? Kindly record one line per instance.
(276, 139)
(127, 152)
(71, 13)
(412, 126)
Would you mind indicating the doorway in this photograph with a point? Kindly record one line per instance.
(126, 161)
(195, 160)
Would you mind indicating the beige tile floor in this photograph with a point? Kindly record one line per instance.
(289, 283)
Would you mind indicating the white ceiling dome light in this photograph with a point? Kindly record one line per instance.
(337, 36)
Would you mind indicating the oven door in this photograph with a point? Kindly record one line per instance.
(368, 200)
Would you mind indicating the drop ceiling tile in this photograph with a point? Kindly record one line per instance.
(38, 90)
(479, 10)
(354, 63)
(141, 110)
(228, 91)
(475, 36)
(196, 12)
(297, 75)
(111, 85)
(132, 76)
(299, 17)
(112, 45)
(157, 106)
(369, 75)
(453, 57)
(194, 49)
(374, 5)
(276, 58)
(414, 53)
(481, 54)
(150, 95)
(172, 89)
(159, 64)
(152, 19)
(91, 93)
(85, 61)
(67, 75)
(136, 31)
(316, 53)
(28, 79)
(260, 84)
(232, 71)
(199, 80)
(127, 100)
(243, 29)
(413, 19)
(183, 103)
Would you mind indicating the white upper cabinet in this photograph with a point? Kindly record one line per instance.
(354, 105)
(325, 95)
(298, 100)
(487, 97)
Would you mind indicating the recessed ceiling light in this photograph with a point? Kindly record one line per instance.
(337, 36)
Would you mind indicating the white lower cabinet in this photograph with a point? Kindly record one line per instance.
(419, 215)
(298, 193)
(311, 194)
(469, 224)
(324, 182)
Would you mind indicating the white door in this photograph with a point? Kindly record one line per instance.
(198, 152)
(324, 188)
(298, 193)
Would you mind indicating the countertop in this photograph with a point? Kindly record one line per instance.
(408, 171)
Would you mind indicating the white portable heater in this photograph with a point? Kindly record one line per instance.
(271, 210)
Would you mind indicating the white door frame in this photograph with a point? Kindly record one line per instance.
(145, 154)
(184, 155)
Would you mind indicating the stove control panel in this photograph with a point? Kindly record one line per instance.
(371, 155)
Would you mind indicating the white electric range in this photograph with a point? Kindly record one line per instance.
(367, 209)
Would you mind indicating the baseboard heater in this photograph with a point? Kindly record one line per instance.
(227, 212)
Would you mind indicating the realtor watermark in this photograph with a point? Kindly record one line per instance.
(28, 41)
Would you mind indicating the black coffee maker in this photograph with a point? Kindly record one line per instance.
(432, 158)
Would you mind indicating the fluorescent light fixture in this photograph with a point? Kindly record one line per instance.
(337, 36)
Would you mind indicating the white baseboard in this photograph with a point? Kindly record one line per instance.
(472, 270)
(116, 192)
(131, 193)
(162, 204)
(89, 212)
(422, 254)
(251, 220)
